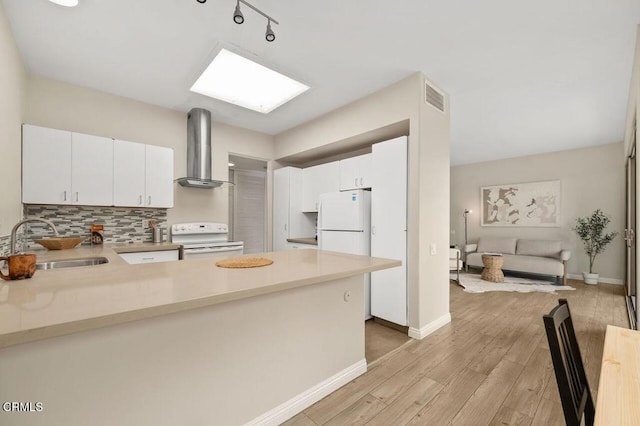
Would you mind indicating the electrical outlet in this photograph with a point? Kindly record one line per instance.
(432, 249)
(145, 223)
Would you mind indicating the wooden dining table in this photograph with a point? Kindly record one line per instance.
(618, 400)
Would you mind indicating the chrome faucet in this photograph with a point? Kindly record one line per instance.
(12, 244)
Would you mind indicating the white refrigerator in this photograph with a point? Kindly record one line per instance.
(344, 225)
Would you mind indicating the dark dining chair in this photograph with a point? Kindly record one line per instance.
(567, 364)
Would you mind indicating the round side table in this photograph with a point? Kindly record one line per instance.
(492, 268)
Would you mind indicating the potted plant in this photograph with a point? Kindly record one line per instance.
(591, 229)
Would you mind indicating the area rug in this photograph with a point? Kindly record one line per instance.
(473, 284)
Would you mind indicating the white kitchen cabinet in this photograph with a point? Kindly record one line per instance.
(355, 173)
(389, 229)
(288, 219)
(61, 167)
(318, 180)
(46, 165)
(150, 256)
(158, 176)
(91, 170)
(143, 175)
(128, 174)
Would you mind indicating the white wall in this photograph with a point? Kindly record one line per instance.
(64, 106)
(428, 179)
(591, 178)
(12, 85)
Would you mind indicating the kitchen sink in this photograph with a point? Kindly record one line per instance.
(72, 263)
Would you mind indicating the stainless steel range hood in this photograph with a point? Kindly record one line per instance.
(199, 151)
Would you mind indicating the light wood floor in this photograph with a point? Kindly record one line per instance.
(490, 366)
(379, 340)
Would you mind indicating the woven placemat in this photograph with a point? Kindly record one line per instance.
(244, 262)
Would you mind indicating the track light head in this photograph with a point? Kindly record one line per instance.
(270, 36)
(238, 18)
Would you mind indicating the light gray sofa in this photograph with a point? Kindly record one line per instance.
(545, 257)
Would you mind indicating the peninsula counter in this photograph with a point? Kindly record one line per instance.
(182, 342)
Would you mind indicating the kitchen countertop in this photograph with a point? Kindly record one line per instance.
(310, 240)
(64, 301)
(44, 255)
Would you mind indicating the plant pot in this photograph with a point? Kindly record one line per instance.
(590, 278)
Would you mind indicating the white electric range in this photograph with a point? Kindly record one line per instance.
(205, 240)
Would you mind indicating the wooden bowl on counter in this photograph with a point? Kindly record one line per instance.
(60, 243)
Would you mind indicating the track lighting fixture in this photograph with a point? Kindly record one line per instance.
(238, 17)
(270, 36)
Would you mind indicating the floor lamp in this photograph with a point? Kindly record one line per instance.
(466, 212)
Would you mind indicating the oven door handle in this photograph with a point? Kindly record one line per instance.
(213, 250)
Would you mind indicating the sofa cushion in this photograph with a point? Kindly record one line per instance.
(497, 245)
(518, 263)
(543, 248)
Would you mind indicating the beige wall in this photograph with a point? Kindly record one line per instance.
(633, 112)
(428, 179)
(64, 106)
(12, 84)
(591, 178)
(225, 364)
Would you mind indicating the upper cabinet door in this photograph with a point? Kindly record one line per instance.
(349, 174)
(355, 173)
(128, 174)
(318, 180)
(159, 177)
(365, 171)
(46, 165)
(91, 170)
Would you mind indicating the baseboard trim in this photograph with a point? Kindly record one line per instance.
(421, 333)
(290, 408)
(602, 280)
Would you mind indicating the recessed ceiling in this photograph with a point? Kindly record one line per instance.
(523, 77)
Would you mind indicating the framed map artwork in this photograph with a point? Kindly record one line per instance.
(521, 204)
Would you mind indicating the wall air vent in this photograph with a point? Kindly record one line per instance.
(433, 97)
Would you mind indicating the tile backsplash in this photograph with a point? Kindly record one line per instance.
(121, 224)
(4, 245)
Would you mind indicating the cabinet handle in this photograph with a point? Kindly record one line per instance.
(316, 206)
(76, 196)
(140, 200)
(356, 182)
(149, 201)
(65, 196)
(361, 184)
(285, 226)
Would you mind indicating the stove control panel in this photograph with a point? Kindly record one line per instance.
(199, 228)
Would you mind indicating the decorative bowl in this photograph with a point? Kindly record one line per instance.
(60, 243)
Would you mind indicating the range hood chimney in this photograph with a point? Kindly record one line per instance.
(199, 151)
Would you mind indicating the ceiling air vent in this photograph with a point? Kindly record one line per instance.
(434, 98)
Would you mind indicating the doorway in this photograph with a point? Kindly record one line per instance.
(248, 203)
(629, 236)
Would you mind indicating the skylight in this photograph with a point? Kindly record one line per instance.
(240, 81)
(67, 3)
